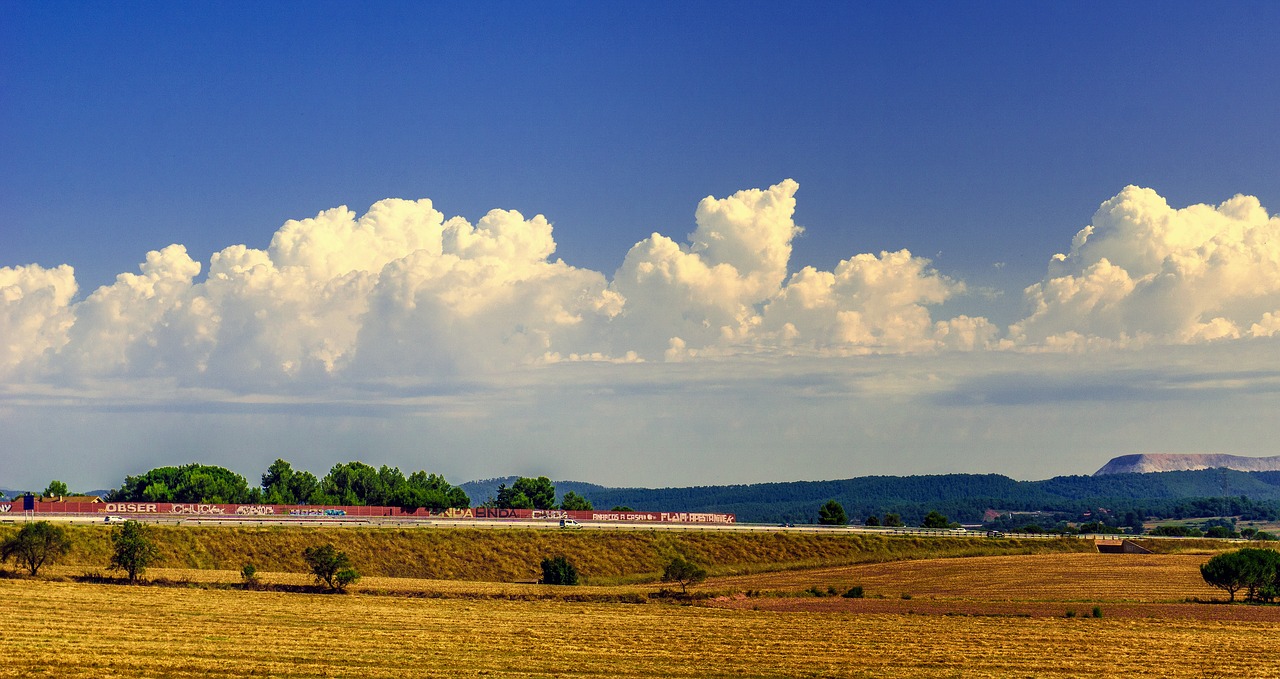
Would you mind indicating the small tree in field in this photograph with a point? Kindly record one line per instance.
(35, 545)
(558, 571)
(1257, 571)
(330, 567)
(832, 514)
(684, 572)
(133, 549)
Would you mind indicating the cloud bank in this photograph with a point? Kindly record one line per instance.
(405, 337)
(1145, 273)
(402, 291)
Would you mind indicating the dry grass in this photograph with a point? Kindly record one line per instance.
(169, 632)
(604, 557)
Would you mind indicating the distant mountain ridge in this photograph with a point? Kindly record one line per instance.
(1147, 463)
(962, 497)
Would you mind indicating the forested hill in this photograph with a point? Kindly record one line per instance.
(963, 497)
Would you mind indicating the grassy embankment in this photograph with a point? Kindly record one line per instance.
(603, 557)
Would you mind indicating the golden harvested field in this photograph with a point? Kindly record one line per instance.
(80, 630)
(1044, 577)
(971, 617)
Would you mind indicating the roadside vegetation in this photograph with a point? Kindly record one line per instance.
(515, 555)
(35, 544)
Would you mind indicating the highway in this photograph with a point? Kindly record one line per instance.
(498, 524)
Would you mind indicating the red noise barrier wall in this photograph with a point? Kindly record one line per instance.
(321, 512)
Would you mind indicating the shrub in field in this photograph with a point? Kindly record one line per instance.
(558, 571)
(854, 592)
(249, 574)
(132, 549)
(1097, 611)
(344, 577)
(684, 572)
(36, 544)
(330, 567)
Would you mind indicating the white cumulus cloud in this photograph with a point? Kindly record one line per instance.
(34, 312)
(401, 291)
(1145, 272)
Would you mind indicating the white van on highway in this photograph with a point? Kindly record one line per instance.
(569, 523)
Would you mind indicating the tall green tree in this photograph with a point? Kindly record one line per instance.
(187, 483)
(540, 491)
(510, 498)
(284, 485)
(935, 519)
(56, 489)
(575, 503)
(351, 483)
(431, 491)
(832, 514)
(37, 543)
(132, 549)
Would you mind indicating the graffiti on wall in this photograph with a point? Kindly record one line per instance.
(130, 508)
(624, 516)
(696, 517)
(5, 508)
(496, 513)
(196, 509)
(202, 509)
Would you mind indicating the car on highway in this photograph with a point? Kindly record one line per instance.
(114, 519)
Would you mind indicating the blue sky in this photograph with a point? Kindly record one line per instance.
(981, 136)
